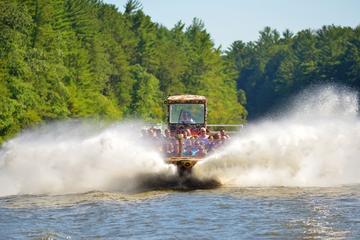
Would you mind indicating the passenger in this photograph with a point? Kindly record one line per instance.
(195, 146)
(192, 141)
(201, 153)
(217, 141)
(179, 132)
(187, 138)
(188, 151)
(203, 137)
(167, 134)
(151, 133)
(203, 133)
(208, 131)
(170, 149)
(187, 133)
(223, 135)
(210, 145)
(156, 138)
(177, 148)
(166, 140)
(172, 134)
(158, 133)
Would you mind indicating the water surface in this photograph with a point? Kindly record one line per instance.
(223, 213)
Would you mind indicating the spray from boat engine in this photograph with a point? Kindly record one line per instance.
(316, 142)
(72, 156)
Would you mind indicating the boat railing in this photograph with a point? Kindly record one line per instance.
(229, 128)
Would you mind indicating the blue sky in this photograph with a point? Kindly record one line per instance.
(230, 20)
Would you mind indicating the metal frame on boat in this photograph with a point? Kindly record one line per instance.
(187, 112)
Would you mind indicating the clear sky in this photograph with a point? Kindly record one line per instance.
(230, 20)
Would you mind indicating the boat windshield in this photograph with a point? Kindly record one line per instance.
(187, 113)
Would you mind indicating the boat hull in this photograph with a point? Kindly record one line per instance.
(184, 164)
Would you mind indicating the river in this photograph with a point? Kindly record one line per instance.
(223, 213)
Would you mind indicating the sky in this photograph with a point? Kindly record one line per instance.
(231, 20)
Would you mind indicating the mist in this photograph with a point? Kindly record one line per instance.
(78, 156)
(313, 142)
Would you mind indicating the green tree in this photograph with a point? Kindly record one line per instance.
(146, 96)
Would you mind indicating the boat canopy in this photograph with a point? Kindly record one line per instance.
(186, 99)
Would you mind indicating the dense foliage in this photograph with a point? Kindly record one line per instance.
(275, 67)
(83, 58)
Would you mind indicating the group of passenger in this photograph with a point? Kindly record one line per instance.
(188, 142)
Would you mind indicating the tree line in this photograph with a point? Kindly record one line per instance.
(83, 58)
(277, 66)
(64, 59)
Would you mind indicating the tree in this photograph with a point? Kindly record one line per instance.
(132, 6)
(146, 96)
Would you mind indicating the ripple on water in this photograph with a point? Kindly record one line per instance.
(225, 212)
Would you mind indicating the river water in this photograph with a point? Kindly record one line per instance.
(223, 213)
(292, 175)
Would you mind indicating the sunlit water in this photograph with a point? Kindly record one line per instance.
(225, 213)
(294, 175)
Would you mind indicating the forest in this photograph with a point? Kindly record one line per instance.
(278, 66)
(63, 59)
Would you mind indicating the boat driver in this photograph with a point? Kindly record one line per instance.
(186, 118)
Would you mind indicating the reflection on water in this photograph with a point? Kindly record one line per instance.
(227, 213)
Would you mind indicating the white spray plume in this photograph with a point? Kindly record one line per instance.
(74, 156)
(315, 143)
